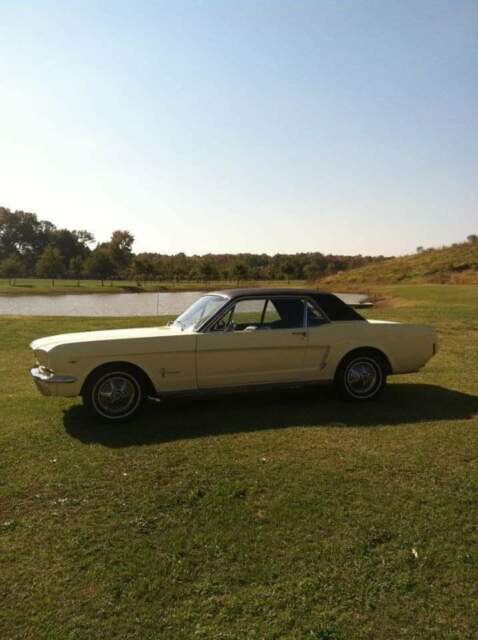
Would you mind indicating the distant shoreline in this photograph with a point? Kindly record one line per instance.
(31, 287)
(106, 290)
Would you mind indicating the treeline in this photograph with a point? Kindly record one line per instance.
(32, 247)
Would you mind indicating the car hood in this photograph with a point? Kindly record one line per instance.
(64, 339)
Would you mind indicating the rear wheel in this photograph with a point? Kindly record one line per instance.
(114, 393)
(361, 376)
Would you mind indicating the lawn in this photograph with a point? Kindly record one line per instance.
(277, 515)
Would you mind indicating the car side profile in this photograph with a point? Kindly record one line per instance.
(240, 338)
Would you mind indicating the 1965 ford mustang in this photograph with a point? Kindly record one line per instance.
(227, 339)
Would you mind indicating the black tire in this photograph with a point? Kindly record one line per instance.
(361, 376)
(115, 393)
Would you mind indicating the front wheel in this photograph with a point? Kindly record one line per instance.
(114, 394)
(361, 377)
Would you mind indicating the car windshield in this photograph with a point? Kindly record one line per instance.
(199, 312)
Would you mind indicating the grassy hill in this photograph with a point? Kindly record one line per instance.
(455, 264)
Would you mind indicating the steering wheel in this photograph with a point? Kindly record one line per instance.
(223, 326)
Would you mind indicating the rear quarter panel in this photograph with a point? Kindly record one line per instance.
(407, 347)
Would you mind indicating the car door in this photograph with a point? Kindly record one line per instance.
(321, 335)
(256, 341)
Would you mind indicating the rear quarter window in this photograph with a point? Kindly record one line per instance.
(336, 309)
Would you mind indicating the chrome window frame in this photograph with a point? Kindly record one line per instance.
(210, 294)
(314, 303)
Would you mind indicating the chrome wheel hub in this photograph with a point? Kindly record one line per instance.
(361, 377)
(116, 394)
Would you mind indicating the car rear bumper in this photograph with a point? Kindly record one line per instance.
(47, 381)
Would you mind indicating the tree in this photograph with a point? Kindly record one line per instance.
(239, 271)
(84, 237)
(472, 238)
(313, 271)
(179, 266)
(50, 264)
(208, 270)
(419, 249)
(142, 267)
(75, 268)
(291, 268)
(12, 268)
(99, 265)
(70, 243)
(120, 247)
(22, 234)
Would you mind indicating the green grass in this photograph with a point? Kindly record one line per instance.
(455, 264)
(275, 515)
(36, 286)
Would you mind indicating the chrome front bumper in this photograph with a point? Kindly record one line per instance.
(44, 380)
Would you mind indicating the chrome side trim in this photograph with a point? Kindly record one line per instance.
(44, 376)
(264, 386)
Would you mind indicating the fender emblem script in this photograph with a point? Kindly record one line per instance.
(165, 372)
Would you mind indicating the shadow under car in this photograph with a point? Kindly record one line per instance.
(205, 415)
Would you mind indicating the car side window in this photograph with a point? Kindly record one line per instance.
(314, 317)
(245, 315)
(263, 315)
(284, 313)
(271, 314)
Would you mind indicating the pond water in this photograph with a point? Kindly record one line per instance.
(114, 304)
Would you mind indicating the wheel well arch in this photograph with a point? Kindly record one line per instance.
(145, 380)
(363, 351)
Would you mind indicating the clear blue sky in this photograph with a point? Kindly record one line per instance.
(224, 126)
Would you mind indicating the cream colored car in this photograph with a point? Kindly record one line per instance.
(229, 339)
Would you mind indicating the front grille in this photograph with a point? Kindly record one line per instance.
(45, 370)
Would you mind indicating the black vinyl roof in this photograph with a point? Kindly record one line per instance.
(270, 291)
